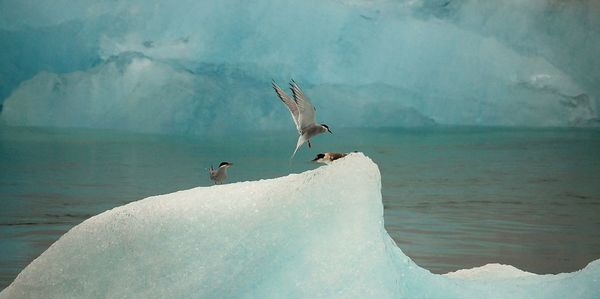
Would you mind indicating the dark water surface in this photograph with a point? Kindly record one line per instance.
(454, 197)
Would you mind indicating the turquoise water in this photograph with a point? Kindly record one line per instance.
(454, 197)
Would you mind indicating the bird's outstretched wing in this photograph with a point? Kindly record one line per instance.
(289, 103)
(306, 110)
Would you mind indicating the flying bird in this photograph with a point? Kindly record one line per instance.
(220, 174)
(303, 114)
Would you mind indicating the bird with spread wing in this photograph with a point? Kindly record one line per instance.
(303, 114)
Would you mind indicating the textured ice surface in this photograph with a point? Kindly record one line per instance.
(365, 63)
(318, 234)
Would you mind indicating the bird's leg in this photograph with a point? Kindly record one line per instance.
(309, 145)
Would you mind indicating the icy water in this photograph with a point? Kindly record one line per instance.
(454, 197)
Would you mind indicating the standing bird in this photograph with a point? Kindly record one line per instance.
(220, 174)
(328, 157)
(303, 114)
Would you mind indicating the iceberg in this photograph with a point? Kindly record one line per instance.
(317, 234)
(409, 63)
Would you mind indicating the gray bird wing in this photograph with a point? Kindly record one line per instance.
(218, 175)
(306, 115)
(289, 103)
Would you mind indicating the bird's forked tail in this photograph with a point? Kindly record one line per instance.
(301, 141)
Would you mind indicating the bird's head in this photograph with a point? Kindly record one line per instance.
(326, 127)
(225, 164)
(318, 158)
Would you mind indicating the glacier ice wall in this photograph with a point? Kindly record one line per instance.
(365, 63)
(318, 234)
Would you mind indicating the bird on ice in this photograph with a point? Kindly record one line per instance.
(326, 158)
(303, 113)
(220, 174)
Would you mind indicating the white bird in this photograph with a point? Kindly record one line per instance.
(220, 174)
(303, 114)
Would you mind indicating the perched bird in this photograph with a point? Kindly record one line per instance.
(328, 157)
(220, 174)
(303, 114)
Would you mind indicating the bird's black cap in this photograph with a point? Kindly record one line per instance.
(319, 156)
(327, 127)
(224, 163)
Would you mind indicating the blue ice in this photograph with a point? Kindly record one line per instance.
(192, 66)
(318, 234)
